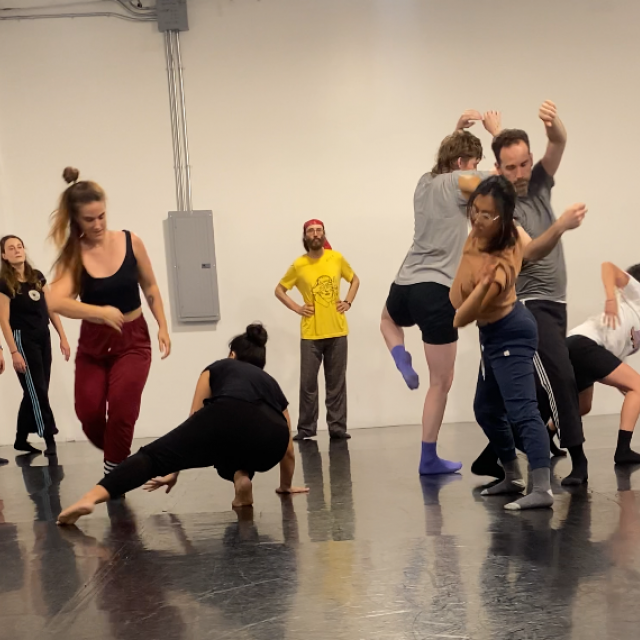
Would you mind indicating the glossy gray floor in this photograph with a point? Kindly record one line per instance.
(373, 552)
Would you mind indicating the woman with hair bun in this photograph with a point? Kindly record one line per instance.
(106, 270)
(239, 424)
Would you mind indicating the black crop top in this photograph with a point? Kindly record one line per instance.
(121, 290)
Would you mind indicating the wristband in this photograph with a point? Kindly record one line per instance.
(348, 303)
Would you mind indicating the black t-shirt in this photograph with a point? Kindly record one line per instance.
(231, 378)
(28, 310)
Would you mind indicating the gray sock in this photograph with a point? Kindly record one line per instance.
(540, 496)
(512, 483)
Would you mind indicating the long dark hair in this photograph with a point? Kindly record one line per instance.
(9, 275)
(250, 345)
(65, 228)
(504, 195)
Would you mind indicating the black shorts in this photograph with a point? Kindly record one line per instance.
(426, 304)
(591, 362)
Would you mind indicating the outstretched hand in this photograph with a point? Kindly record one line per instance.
(166, 481)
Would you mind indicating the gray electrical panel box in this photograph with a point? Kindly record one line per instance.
(172, 15)
(193, 263)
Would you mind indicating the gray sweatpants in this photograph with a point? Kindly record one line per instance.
(333, 351)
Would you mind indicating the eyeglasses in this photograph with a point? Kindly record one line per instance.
(485, 217)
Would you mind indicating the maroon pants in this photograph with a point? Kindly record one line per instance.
(111, 371)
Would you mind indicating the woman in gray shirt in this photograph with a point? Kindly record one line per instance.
(419, 294)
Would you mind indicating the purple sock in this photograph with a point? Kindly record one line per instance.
(431, 465)
(402, 359)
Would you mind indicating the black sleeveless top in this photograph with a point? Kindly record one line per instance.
(121, 290)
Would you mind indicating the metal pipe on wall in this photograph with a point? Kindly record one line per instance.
(175, 126)
(185, 138)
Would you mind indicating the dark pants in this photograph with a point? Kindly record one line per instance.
(555, 379)
(506, 391)
(111, 371)
(229, 435)
(35, 414)
(333, 351)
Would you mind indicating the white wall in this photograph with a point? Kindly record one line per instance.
(303, 108)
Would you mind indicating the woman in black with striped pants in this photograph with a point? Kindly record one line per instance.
(24, 319)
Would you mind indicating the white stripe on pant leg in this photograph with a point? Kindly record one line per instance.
(546, 385)
(109, 467)
(35, 403)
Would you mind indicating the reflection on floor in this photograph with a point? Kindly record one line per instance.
(374, 552)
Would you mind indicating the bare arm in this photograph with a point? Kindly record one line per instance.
(353, 290)
(151, 292)
(468, 183)
(5, 324)
(544, 244)
(57, 325)
(306, 310)
(471, 309)
(203, 391)
(557, 136)
(62, 300)
(612, 278)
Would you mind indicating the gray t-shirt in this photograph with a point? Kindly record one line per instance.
(545, 279)
(441, 229)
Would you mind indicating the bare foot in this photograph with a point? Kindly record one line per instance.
(70, 516)
(244, 492)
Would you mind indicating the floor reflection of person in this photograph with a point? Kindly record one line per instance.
(12, 571)
(56, 577)
(337, 522)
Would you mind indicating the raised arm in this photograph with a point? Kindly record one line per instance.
(151, 292)
(544, 244)
(63, 301)
(556, 134)
(468, 119)
(612, 278)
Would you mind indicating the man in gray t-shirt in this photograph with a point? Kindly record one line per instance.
(542, 285)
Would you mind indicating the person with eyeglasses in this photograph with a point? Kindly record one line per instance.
(484, 291)
(542, 285)
(419, 294)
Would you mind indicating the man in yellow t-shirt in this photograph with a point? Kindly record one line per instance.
(317, 276)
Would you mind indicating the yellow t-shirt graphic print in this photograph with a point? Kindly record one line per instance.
(318, 281)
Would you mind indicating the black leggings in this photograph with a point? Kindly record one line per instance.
(229, 435)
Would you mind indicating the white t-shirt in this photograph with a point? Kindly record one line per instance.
(624, 340)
